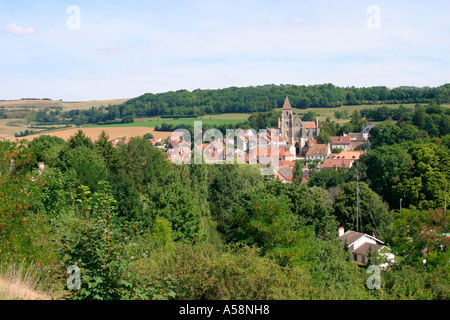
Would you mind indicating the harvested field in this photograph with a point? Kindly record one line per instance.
(66, 105)
(113, 132)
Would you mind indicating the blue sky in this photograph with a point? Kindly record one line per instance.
(127, 48)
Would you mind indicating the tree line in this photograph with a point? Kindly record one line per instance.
(184, 103)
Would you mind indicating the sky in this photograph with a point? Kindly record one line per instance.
(93, 50)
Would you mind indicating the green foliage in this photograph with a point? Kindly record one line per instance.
(24, 234)
(88, 164)
(47, 149)
(98, 250)
(309, 116)
(80, 140)
(105, 148)
(205, 273)
(334, 277)
(148, 136)
(329, 178)
(323, 138)
(226, 231)
(382, 167)
(298, 172)
(162, 233)
(373, 212)
(424, 183)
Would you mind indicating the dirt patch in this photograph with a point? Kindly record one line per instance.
(113, 132)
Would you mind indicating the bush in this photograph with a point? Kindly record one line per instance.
(204, 272)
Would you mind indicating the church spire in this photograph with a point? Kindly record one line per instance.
(287, 104)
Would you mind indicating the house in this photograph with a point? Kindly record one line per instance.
(342, 142)
(354, 155)
(337, 163)
(366, 129)
(262, 155)
(344, 159)
(119, 141)
(318, 151)
(154, 141)
(284, 171)
(285, 174)
(174, 138)
(360, 244)
(357, 140)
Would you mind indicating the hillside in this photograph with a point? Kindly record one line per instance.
(65, 105)
(268, 97)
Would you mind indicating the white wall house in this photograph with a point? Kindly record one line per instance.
(360, 244)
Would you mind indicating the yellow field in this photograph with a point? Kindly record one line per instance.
(93, 133)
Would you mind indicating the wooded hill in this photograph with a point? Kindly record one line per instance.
(268, 97)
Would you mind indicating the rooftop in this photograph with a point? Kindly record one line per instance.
(318, 149)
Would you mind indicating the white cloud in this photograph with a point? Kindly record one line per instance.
(15, 29)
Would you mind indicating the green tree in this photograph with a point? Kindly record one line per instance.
(47, 149)
(298, 172)
(373, 213)
(80, 139)
(309, 116)
(105, 148)
(89, 166)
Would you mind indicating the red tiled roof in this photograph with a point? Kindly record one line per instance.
(337, 163)
(286, 163)
(257, 152)
(318, 149)
(309, 124)
(340, 140)
(346, 154)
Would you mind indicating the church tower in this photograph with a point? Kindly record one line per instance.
(287, 122)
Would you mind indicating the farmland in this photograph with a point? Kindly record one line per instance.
(11, 126)
(65, 105)
(211, 120)
(113, 132)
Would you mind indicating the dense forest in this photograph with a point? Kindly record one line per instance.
(141, 227)
(184, 103)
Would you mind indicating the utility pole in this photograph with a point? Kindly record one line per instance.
(11, 166)
(401, 204)
(445, 212)
(357, 198)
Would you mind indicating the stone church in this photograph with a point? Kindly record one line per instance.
(295, 132)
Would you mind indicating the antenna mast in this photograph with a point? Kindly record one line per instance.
(357, 197)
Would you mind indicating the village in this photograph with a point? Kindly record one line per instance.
(274, 148)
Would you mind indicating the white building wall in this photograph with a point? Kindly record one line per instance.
(363, 240)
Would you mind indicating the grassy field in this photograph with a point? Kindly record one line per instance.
(211, 120)
(324, 113)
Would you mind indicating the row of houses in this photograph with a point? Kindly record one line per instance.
(269, 148)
